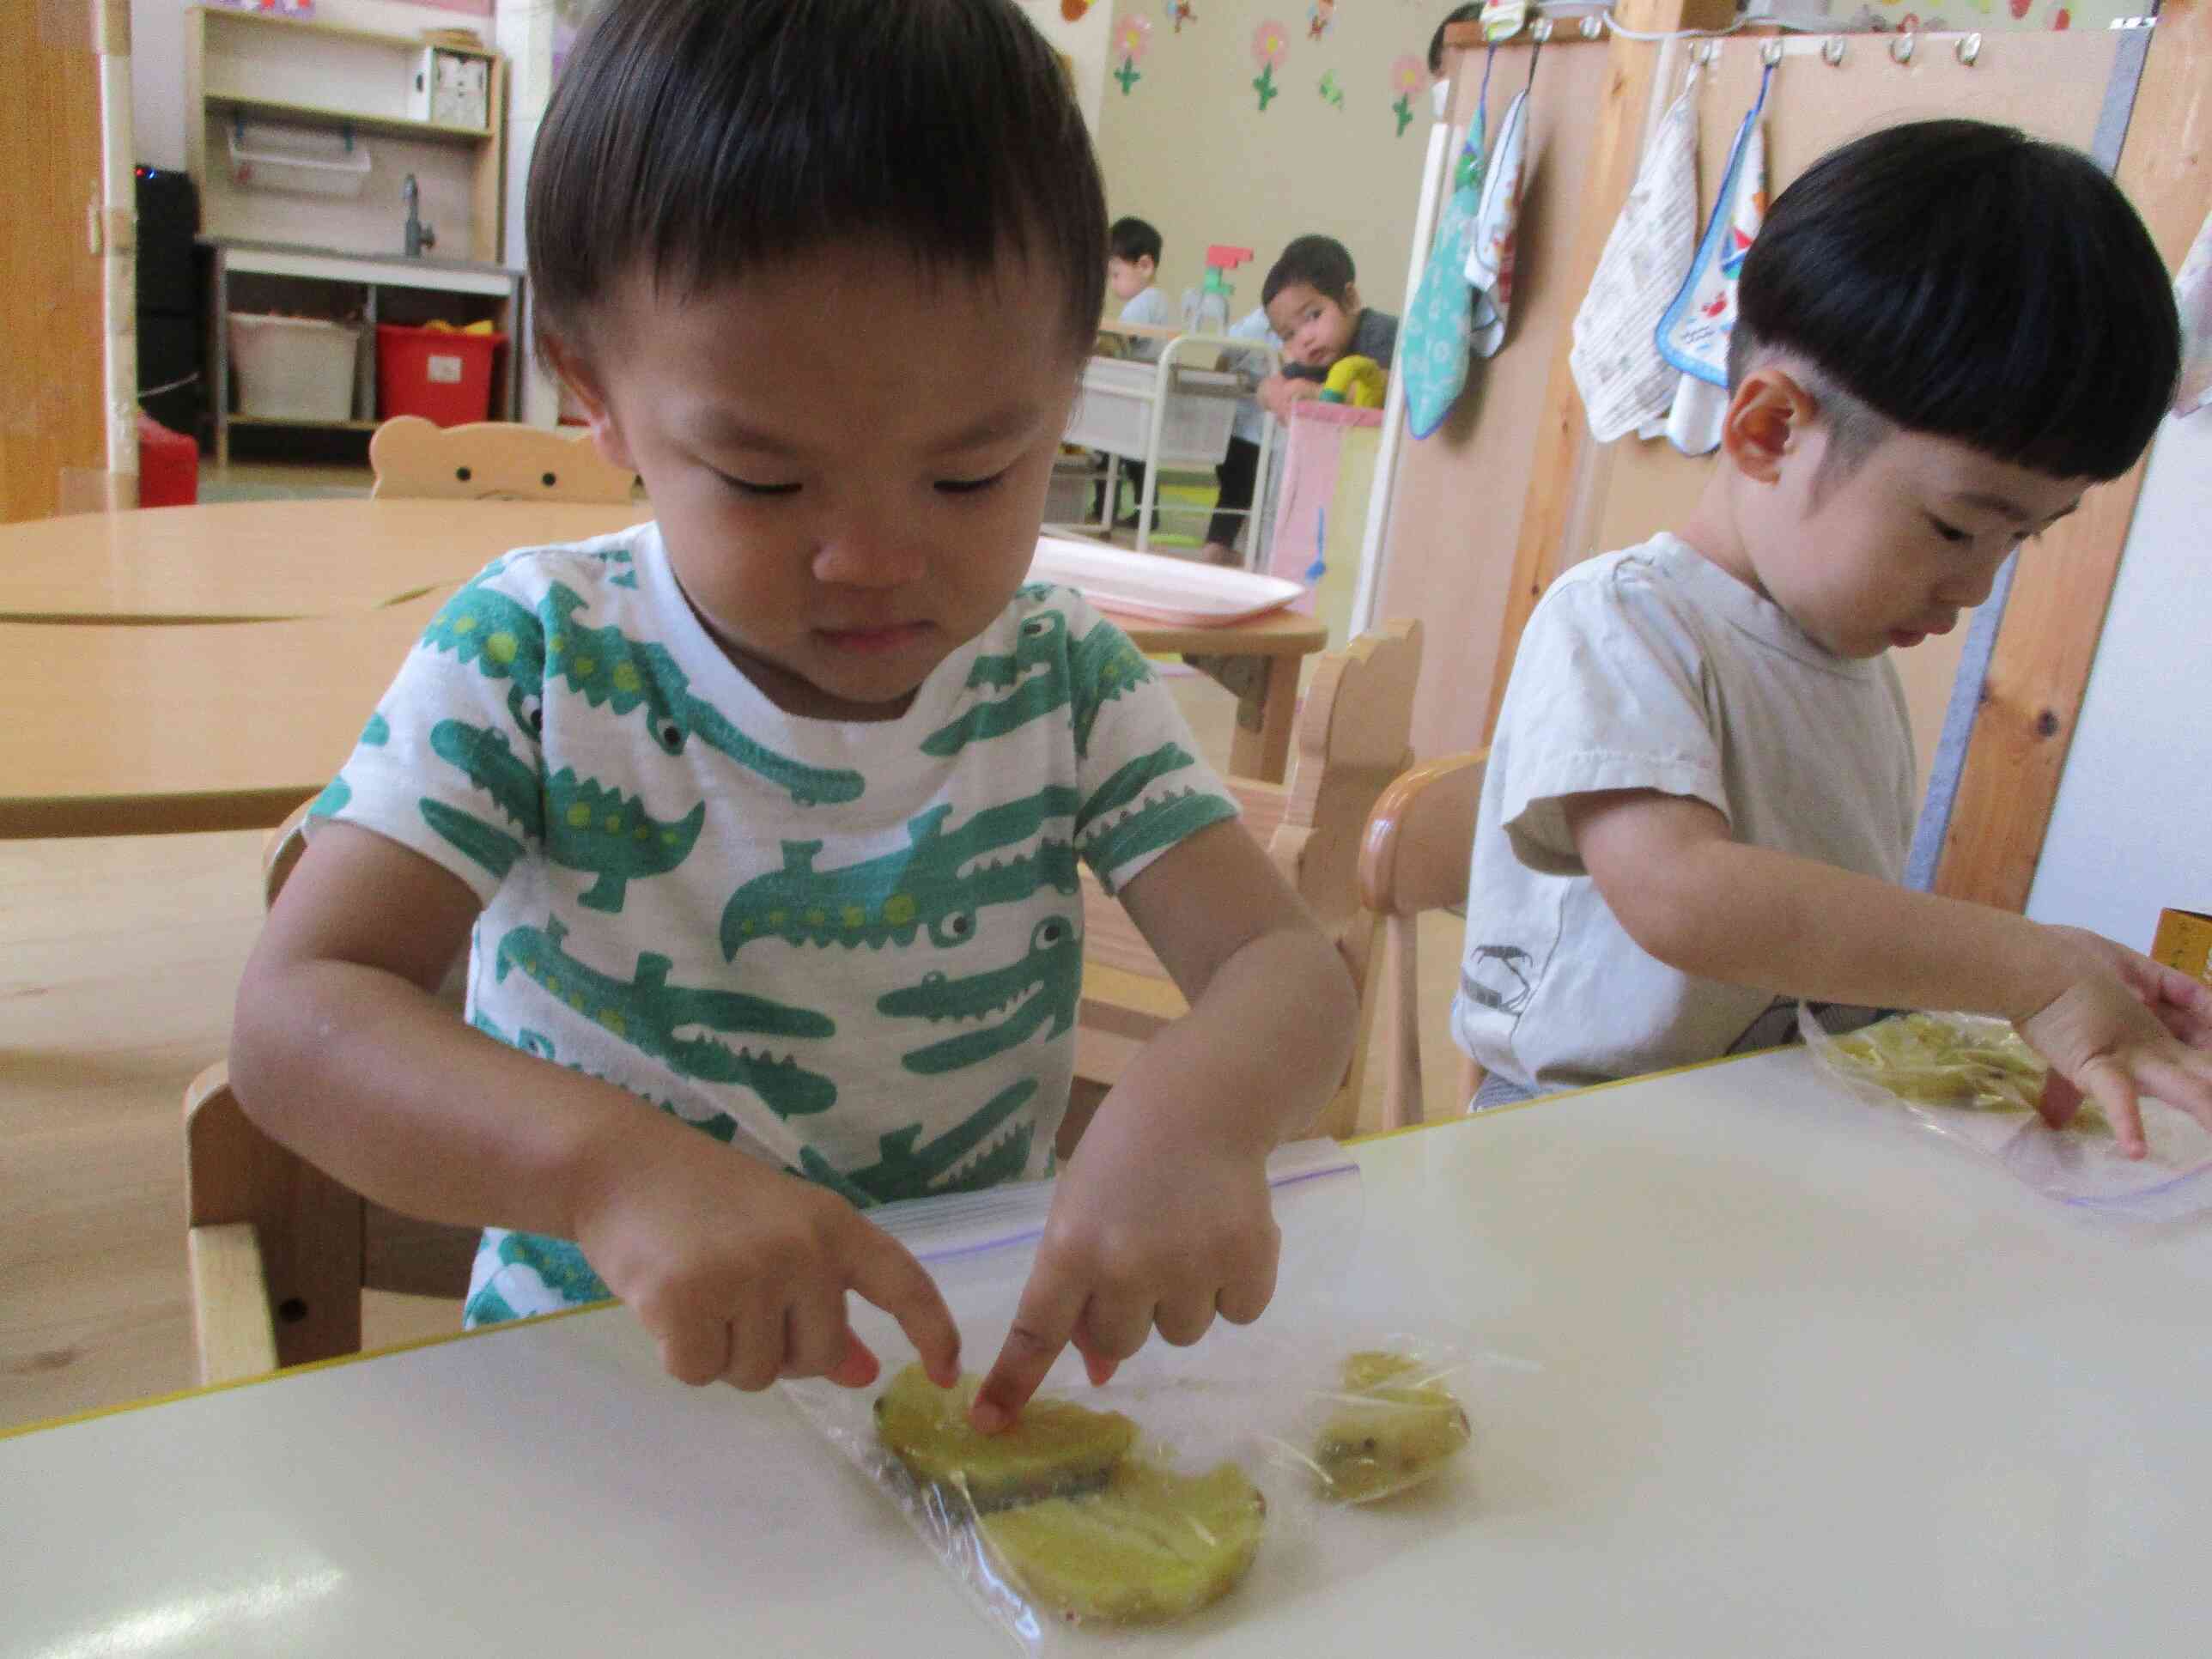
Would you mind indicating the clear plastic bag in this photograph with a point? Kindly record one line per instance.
(1220, 1496)
(1972, 1079)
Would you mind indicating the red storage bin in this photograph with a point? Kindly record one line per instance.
(439, 374)
(168, 465)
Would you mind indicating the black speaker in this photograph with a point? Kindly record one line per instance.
(170, 308)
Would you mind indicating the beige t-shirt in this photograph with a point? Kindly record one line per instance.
(1655, 669)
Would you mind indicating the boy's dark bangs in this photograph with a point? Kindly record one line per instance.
(692, 140)
(1977, 285)
(1321, 262)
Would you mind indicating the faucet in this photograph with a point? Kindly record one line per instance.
(419, 235)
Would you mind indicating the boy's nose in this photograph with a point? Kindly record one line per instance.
(1971, 587)
(876, 556)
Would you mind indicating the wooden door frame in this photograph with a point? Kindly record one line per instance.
(2028, 704)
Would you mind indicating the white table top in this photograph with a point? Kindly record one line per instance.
(1804, 1380)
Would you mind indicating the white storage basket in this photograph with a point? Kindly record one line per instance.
(298, 160)
(1114, 412)
(293, 368)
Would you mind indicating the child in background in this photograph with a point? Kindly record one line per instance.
(1309, 310)
(759, 822)
(1132, 261)
(1701, 791)
(1456, 14)
(1131, 264)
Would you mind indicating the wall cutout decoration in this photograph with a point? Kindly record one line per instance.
(1073, 11)
(1132, 38)
(1409, 77)
(1331, 93)
(1179, 13)
(1271, 44)
(1319, 18)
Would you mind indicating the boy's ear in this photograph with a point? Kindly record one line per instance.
(576, 373)
(1768, 415)
(1349, 304)
(1146, 265)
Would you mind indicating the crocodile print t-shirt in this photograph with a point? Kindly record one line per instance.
(853, 949)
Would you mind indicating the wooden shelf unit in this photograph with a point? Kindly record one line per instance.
(303, 426)
(364, 287)
(244, 65)
(324, 115)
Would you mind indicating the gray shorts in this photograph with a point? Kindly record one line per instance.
(1498, 1090)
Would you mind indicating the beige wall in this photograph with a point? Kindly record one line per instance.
(1082, 40)
(1189, 148)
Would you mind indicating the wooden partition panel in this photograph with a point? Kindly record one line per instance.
(1512, 491)
(2030, 696)
(1457, 510)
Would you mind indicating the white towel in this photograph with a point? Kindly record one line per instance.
(1623, 380)
(1490, 257)
(2192, 296)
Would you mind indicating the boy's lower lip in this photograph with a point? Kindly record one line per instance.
(1906, 638)
(870, 642)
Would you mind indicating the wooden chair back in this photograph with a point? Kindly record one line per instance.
(279, 1252)
(1413, 859)
(492, 461)
(1351, 740)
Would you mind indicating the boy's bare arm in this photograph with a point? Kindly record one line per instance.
(1272, 1012)
(1163, 1217)
(1279, 392)
(2107, 1018)
(340, 1050)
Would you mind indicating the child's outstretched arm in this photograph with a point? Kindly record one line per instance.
(340, 1050)
(1162, 1218)
(1279, 393)
(2112, 1023)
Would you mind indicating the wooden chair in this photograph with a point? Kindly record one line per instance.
(1413, 859)
(280, 1253)
(1350, 741)
(491, 460)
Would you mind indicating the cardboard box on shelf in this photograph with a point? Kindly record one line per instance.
(450, 88)
(2184, 941)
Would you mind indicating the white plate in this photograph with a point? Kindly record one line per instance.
(1187, 591)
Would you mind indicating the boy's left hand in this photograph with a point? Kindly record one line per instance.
(2103, 1036)
(1279, 392)
(1151, 1229)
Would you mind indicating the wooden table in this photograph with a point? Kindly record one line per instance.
(1259, 661)
(1787, 1375)
(119, 729)
(116, 729)
(267, 561)
(123, 729)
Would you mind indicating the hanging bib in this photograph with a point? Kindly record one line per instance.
(1490, 257)
(1432, 352)
(1623, 379)
(1693, 335)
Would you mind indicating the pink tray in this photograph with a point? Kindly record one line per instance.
(1185, 591)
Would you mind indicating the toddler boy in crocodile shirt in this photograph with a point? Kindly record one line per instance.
(767, 815)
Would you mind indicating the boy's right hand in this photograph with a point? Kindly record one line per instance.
(1279, 392)
(739, 1271)
(2125, 1025)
